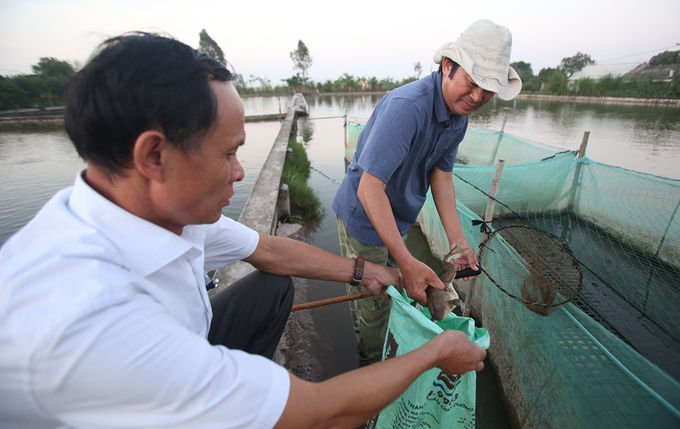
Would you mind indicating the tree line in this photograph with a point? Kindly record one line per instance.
(45, 87)
(556, 80)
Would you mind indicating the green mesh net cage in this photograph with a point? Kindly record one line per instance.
(610, 358)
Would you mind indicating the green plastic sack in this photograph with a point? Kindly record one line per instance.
(435, 399)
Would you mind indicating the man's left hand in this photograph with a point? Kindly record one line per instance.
(377, 278)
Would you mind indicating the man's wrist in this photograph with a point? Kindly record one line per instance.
(358, 274)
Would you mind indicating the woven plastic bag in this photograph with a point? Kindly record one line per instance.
(435, 399)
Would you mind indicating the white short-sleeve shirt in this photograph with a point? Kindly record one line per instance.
(103, 324)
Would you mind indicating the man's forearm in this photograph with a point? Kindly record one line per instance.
(294, 258)
(350, 399)
(285, 256)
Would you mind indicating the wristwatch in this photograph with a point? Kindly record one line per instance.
(358, 271)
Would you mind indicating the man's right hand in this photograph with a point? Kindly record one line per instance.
(417, 276)
(456, 353)
(349, 399)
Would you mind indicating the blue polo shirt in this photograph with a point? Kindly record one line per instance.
(408, 134)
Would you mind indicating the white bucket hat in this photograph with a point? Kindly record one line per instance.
(483, 51)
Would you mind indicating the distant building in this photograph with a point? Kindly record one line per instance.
(598, 71)
(662, 73)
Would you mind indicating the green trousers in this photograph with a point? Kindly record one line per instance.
(369, 315)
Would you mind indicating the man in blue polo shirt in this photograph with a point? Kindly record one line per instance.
(409, 144)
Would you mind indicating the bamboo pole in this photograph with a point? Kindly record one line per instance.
(500, 138)
(576, 182)
(345, 125)
(584, 144)
(488, 217)
(330, 301)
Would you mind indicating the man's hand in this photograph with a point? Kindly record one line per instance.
(456, 353)
(417, 277)
(351, 398)
(377, 278)
(468, 261)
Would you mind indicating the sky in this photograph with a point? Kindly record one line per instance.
(362, 38)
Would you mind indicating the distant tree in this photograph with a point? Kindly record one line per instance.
(53, 68)
(239, 82)
(665, 58)
(571, 65)
(387, 84)
(210, 47)
(294, 81)
(325, 86)
(524, 70)
(52, 77)
(301, 60)
(406, 80)
(346, 83)
(545, 73)
(21, 91)
(557, 84)
(418, 69)
(265, 84)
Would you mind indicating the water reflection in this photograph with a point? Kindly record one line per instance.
(644, 138)
(306, 130)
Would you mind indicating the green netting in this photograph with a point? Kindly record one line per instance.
(484, 147)
(610, 358)
(353, 131)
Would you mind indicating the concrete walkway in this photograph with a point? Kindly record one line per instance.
(295, 350)
(259, 212)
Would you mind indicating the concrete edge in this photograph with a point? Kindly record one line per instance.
(259, 212)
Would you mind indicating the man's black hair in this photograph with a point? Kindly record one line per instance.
(136, 82)
(454, 66)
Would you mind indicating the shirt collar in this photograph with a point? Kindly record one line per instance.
(144, 246)
(440, 105)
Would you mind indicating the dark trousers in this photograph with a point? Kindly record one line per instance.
(250, 314)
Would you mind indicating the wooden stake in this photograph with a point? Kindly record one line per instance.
(572, 204)
(330, 301)
(488, 217)
(584, 144)
(345, 126)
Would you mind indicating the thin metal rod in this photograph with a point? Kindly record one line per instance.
(330, 301)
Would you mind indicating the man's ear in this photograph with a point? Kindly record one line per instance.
(149, 154)
(446, 67)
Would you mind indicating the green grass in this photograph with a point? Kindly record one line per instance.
(304, 202)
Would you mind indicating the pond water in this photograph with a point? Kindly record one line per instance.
(34, 164)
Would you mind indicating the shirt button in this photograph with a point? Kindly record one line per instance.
(446, 124)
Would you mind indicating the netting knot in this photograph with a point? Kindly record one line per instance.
(484, 228)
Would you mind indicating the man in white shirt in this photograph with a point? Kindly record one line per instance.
(104, 317)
